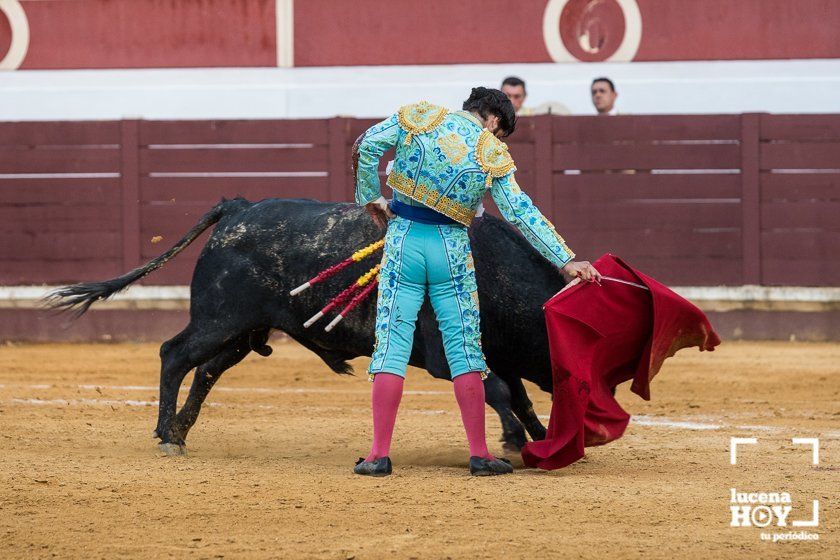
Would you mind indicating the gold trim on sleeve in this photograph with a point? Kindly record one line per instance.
(561, 241)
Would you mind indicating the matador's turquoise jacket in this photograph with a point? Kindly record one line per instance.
(447, 161)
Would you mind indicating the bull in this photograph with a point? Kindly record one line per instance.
(259, 251)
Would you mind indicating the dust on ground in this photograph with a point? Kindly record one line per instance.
(269, 468)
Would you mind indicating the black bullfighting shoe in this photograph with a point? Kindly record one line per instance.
(479, 466)
(377, 467)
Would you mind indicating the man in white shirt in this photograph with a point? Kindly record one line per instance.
(515, 90)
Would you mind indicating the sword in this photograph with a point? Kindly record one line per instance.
(624, 282)
(576, 281)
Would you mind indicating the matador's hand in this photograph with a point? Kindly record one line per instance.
(583, 270)
(379, 211)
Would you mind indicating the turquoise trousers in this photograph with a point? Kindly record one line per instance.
(420, 259)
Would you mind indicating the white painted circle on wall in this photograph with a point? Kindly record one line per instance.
(624, 53)
(13, 11)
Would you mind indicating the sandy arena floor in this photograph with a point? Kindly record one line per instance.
(269, 471)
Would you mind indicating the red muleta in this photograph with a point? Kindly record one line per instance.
(599, 337)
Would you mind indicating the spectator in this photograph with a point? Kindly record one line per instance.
(604, 96)
(515, 90)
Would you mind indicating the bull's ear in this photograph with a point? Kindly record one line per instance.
(354, 156)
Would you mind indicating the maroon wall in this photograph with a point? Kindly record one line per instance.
(68, 34)
(693, 200)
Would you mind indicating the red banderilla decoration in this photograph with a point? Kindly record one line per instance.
(345, 295)
(336, 268)
(353, 303)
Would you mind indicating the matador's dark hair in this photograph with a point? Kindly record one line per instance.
(486, 101)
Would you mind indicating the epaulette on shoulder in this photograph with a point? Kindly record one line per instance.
(493, 156)
(420, 118)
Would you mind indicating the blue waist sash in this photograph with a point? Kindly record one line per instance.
(422, 214)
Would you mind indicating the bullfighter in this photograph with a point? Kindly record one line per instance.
(445, 162)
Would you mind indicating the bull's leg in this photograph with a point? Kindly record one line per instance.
(206, 376)
(178, 356)
(497, 395)
(524, 409)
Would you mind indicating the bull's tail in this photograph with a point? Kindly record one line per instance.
(79, 297)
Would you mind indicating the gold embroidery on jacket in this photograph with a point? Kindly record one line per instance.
(493, 156)
(420, 118)
(453, 147)
(431, 198)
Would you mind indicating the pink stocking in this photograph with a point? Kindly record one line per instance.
(469, 392)
(385, 400)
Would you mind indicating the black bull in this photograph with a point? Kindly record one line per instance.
(259, 251)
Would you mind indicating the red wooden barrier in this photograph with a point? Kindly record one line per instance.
(59, 201)
(694, 200)
(800, 199)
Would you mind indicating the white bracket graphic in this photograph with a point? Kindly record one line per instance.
(814, 443)
(815, 459)
(815, 517)
(733, 447)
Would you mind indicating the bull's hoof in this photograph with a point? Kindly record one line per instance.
(155, 434)
(264, 350)
(514, 441)
(173, 449)
(511, 447)
(537, 433)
